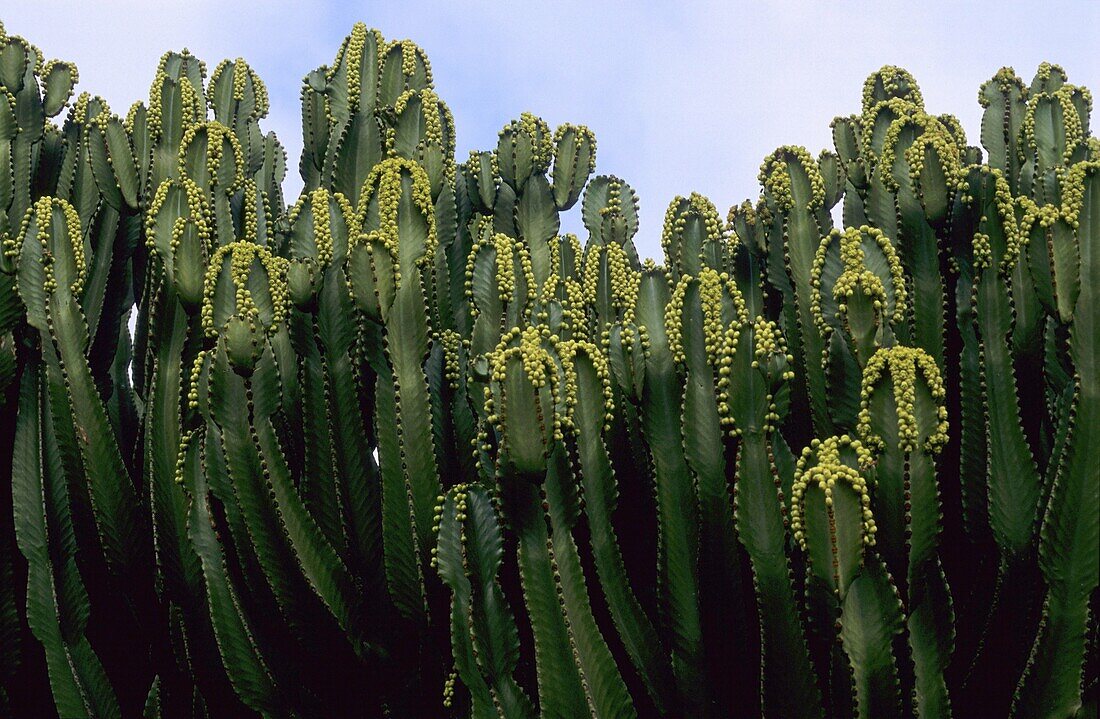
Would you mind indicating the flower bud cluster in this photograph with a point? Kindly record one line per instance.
(905, 366)
(822, 467)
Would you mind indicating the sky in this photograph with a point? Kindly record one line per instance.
(683, 96)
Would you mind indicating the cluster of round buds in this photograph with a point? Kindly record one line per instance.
(460, 495)
(822, 467)
(181, 455)
(350, 55)
(568, 296)
(480, 163)
(615, 220)
(723, 310)
(1073, 190)
(86, 107)
(479, 173)
(315, 239)
(574, 161)
(7, 108)
(61, 74)
(437, 123)
(741, 223)
(608, 274)
(935, 144)
(413, 59)
(245, 83)
(1062, 102)
(62, 252)
(695, 209)
(884, 114)
(568, 351)
(194, 379)
(512, 269)
(890, 82)
(906, 367)
(451, 341)
(166, 198)
(566, 253)
(775, 176)
(856, 277)
(449, 690)
(927, 132)
(1015, 238)
(771, 359)
(382, 193)
(955, 129)
(524, 148)
(232, 270)
(218, 139)
(187, 70)
(1048, 77)
(522, 362)
(1006, 83)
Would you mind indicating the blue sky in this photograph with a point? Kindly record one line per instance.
(684, 96)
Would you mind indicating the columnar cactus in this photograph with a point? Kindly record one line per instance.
(402, 449)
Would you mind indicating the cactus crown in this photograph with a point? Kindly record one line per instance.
(777, 178)
(244, 280)
(823, 465)
(909, 370)
(887, 294)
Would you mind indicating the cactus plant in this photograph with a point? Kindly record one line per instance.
(400, 448)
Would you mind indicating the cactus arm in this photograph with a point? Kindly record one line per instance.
(904, 418)
(318, 478)
(678, 542)
(469, 512)
(1070, 533)
(972, 468)
(1013, 476)
(175, 557)
(705, 316)
(561, 690)
(407, 346)
(358, 489)
(870, 619)
(356, 150)
(241, 657)
(786, 675)
(318, 562)
(537, 221)
(603, 684)
(401, 566)
(450, 563)
(113, 162)
(114, 499)
(759, 375)
(230, 410)
(601, 493)
(793, 182)
(57, 603)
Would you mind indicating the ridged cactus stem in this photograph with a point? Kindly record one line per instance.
(601, 492)
(1070, 532)
(903, 417)
(484, 636)
(795, 188)
(678, 540)
(77, 678)
(244, 661)
(760, 379)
